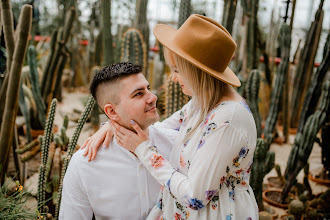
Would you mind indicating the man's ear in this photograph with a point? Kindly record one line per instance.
(110, 111)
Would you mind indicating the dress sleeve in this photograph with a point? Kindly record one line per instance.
(221, 148)
(175, 120)
(74, 202)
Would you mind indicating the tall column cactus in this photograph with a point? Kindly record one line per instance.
(305, 65)
(141, 23)
(48, 137)
(263, 163)
(175, 99)
(45, 74)
(303, 143)
(133, 48)
(11, 105)
(276, 96)
(72, 145)
(54, 69)
(252, 94)
(106, 32)
(250, 11)
(228, 16)
(41, 108)
(314, 91)
(8, 29)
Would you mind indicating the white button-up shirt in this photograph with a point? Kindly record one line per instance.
(116, 185)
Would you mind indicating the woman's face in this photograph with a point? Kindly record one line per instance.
(177, 77)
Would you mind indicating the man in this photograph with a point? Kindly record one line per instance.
(116, 185)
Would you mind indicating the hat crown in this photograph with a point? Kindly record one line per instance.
(206, 41)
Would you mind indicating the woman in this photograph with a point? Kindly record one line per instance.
(207, 175)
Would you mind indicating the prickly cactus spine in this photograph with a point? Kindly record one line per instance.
(44, 155)
(133, 48)
(262, 164)
(72, 146)
(276, 96)
(41, 108)
(303, 143)
(252, 94)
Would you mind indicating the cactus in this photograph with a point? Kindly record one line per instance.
(250, 11)
(304, 140)
(305, 65)
(49, 61)
(263, 163)
(184, 13)
(72, 147)
(133, 48)
(41, 108)
(276, 96)
(95, 115)
(252, 94)
(141, 23)
(51, 153)
(279, 173)
(325, 152)
(314, 91)
(228, 15)
(31, 154)
(11, 105)
(8, 29)
(56, 87)
(26, 113)
(28, 147)
(44, 155)
(106, 32)
(296, 208)
(53, 69)
(56, 174)
(306, 182)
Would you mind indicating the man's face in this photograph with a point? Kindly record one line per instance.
(136, 102)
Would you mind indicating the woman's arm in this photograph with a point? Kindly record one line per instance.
(217, 159)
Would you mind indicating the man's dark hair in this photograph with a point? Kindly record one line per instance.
(111, 73)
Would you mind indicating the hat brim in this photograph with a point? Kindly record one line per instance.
(165, 34)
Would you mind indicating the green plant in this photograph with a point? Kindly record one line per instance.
(228, 15)
(276, 96)
(133, 48)
(106, 32)
(41, 198)
(279, 173)
(305, 65)
(41, 108)
(296, 208)
(58, 57)
(304, 140)
(314, 91)
(11, 105)
(252, 94)
(12, 204)
(72, 146)
(263, 163)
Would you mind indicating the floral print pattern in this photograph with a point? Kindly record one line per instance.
(157, 161)
(227, 159)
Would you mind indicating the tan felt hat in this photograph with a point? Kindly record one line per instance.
(204, 43)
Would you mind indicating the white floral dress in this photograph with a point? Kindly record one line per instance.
(207, 176)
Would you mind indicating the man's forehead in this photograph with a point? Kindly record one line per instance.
(133, 82)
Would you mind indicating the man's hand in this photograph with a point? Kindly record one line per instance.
(104, 134)
(128, 139)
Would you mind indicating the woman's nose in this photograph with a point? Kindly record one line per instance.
(174, 78)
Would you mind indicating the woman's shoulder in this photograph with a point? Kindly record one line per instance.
(236, 113)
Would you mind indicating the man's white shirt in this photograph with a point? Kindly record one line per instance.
(115, 185)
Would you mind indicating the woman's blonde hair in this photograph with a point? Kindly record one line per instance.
(207, 90)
